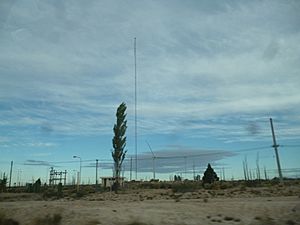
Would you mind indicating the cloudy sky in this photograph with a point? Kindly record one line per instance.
(210, 74)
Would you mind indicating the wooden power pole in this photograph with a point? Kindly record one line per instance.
(97, 175)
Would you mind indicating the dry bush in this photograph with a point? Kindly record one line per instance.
(81, 193)
(48, 220)
(49, 193)
(243, 188)
(2, 215)
(93, 222)
(186, 187)
(7, 221)
(89, 189)
(228, 218)
(155, 185)
(268, 221)
(226, 185)
(290, 222)
(136, 223)
(265, 220)
(255, 192)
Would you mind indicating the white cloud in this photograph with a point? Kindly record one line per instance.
(176, 159)
(64, 68)
(41, 144)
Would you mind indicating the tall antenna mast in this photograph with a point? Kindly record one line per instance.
(135, 109)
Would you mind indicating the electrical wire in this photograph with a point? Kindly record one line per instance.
(162, 157)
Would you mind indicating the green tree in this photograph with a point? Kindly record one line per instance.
(119, 143)
(3, 183)
(210, 175)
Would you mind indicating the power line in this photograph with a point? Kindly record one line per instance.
(149, 158)
(206, 154)
(290, 146)
(158, 157)
(61, 162)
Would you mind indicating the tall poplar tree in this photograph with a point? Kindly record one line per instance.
(119, 142)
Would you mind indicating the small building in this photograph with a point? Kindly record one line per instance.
(107, 182)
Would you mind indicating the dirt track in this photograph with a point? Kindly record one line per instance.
(254, 210)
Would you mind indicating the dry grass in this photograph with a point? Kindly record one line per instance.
(186, 203)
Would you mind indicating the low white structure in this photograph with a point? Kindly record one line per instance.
(108, 182)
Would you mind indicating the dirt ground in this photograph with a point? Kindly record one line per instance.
(157, 207)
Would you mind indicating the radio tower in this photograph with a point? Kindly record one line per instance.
(135, 109)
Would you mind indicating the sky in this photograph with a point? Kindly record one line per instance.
(210, 75)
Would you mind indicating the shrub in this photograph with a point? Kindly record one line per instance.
(59, 190)
(228, 218)
(226, 185)
(50, 193)
(207, 186)
(137, 223)
(53, 191)
(7, 221)
(81, 193)
(186, 187)
(290, 222)
(93, 222)
(49, 220)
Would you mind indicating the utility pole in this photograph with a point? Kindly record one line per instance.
(275, 146)
(194, 174)
(185, 167)
(131, 169)
(96, 175)
(78, 180)
(265, 172)
(78, 157)
(10, 174)
(123, 170)
(65, 178)
(257, 166)
(245, 167)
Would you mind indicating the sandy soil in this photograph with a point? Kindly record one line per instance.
(146, 208)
